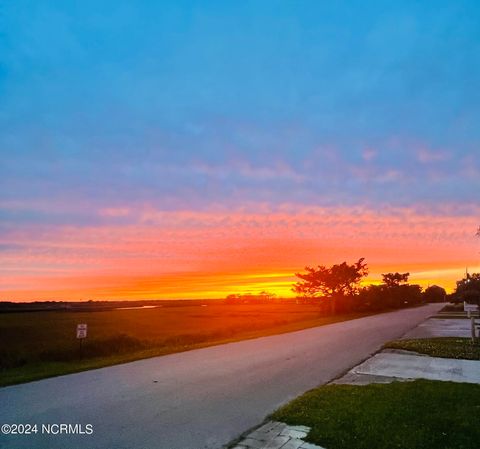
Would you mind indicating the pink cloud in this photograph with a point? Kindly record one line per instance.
(222, 242)
(426, 156)
(114, 212)
(368, 154)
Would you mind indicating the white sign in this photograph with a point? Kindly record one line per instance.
(469, 307)
(81, 331)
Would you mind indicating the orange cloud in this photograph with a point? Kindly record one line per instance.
(186, 254)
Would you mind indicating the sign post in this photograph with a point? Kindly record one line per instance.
(81, 334)
(469, 308)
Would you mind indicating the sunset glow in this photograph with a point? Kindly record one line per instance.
(186, 254)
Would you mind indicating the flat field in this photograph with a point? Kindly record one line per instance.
(35, 345)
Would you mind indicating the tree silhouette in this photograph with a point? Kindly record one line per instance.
(468, 289)
(395, 279)
(434, 293)
(333, 282)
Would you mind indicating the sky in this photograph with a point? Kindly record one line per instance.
(191, 149)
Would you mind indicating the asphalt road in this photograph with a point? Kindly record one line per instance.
(197, 399)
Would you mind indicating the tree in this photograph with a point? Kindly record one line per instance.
(398, 292)
(434, 293)
(468, 289)
(371, 297)
(332, 283)
(233, 297)
(395, 279)
(249, 297)
(266, 295)
(411, 294)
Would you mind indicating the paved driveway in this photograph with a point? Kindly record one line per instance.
(197, 399)
(442, 327)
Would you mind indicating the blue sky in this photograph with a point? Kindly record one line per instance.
(197, 102)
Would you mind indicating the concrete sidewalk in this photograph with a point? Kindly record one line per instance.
(393, 364)
(405, 366)
(441, 327)
(277, 435)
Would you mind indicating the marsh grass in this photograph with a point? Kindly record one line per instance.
(36, 345)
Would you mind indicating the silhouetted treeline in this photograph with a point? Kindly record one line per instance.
(468, 289)
(338, 288)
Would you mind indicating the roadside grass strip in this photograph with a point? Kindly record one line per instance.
(421, 414)
(445, 347)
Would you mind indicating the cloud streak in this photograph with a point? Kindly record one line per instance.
(226, 245)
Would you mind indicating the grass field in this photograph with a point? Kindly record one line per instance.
(404, 415)
(447, 347)
(35, 345)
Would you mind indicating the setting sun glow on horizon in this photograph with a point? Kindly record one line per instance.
(161, 255)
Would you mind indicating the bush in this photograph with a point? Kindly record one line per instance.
(10, 359)
(434, 293)
(382, 297)
(117, 344)
(371, 298)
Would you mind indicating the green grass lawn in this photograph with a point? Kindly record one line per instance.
(35, 345)
(404, 415)
(447, 347)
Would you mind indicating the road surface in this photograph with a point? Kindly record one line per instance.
(197, 399)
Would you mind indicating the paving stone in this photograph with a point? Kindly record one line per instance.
(264, 436)
(276, 435)
(301, 428)
(310, 446)
(279, 426)
(276, 443)
(293, 443)
(252, 444)
(293, 433)
(268, 426)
